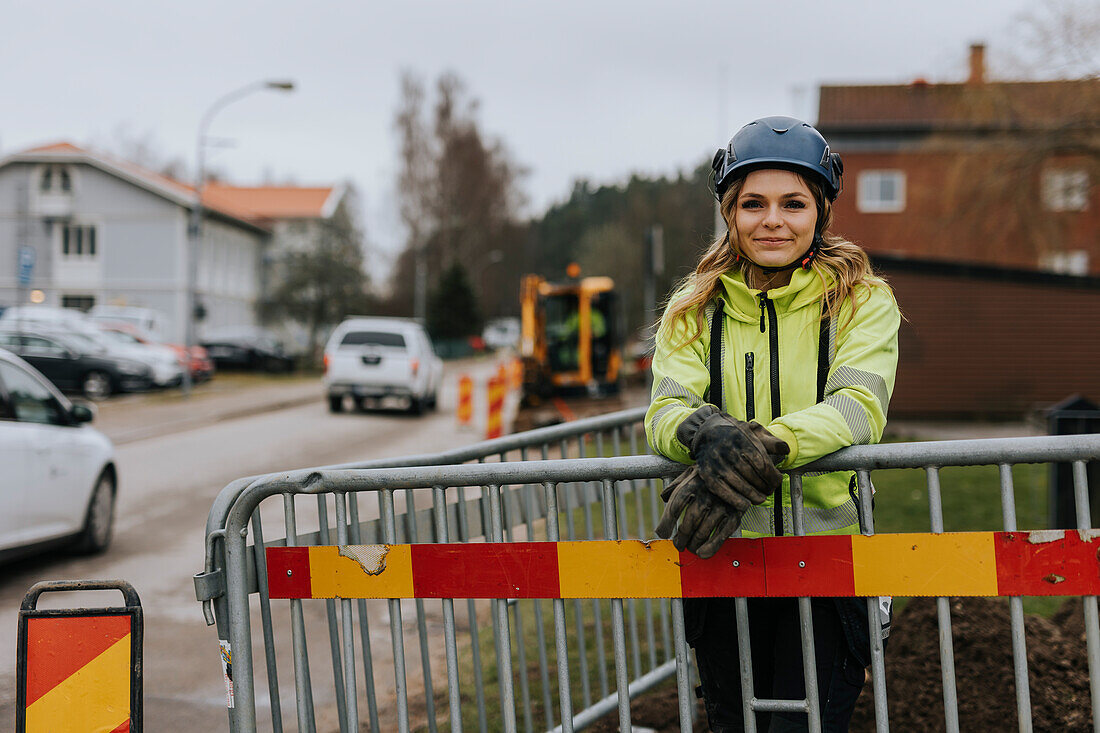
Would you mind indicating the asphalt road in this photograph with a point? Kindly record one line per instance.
(167, 484)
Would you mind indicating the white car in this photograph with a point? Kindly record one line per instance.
(60, 480)
(375, 358)
(147, 319)
(501, 333)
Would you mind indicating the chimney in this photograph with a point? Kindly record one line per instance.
(977, 64)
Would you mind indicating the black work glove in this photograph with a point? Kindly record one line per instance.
(736, 459)
(705, 523)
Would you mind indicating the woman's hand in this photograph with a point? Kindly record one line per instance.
(736, 459)
(706, 522)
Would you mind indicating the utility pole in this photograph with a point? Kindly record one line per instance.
(420, 285)
(723, 132)
(654, 267)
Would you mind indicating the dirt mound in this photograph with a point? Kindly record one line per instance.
(985, 686)
(1057, 669)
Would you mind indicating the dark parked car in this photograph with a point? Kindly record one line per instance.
(249, 349)
(73, 367)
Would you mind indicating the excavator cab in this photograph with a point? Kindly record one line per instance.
(570, 341)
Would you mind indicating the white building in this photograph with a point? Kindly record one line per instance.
(104, 231)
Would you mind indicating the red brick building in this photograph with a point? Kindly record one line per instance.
(996, 173)
(979, 203)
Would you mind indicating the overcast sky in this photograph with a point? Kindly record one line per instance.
(574, 89)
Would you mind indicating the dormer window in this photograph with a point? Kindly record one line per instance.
(55, 179)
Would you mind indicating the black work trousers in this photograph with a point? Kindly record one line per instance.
(777, 662)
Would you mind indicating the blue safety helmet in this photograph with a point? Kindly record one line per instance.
(777, 142)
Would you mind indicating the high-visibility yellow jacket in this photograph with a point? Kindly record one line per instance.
(770, 373)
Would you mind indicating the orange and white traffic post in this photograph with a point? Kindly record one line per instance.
(79, 669)
(465, 411)
(495, 424)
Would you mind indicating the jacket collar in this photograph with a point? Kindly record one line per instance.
(743, 303)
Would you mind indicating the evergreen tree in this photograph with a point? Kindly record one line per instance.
(453, 311)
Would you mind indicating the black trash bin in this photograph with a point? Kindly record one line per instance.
(1073, 416)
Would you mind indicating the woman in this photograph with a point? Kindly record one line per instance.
(779, 349)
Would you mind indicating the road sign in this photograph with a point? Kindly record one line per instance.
(26, 264)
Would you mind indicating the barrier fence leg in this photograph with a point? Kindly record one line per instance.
(683, 666)
(1092, 632)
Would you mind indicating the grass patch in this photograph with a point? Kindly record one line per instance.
(594, 653)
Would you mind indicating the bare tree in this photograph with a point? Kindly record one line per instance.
(142, 149)
(1025, 155)
(1057, 39)
(457, 190)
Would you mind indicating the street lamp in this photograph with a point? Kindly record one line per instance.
(194, 228)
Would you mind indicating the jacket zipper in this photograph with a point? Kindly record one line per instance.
(768, 306)
(750, 389)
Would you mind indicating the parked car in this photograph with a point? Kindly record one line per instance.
(374, 358)
(74, 364)
(60, 480)
(247, 348)
(198, 360)
(165, 368)
(501, 333)
(149, 320)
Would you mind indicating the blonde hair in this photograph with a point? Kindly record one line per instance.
(838, 261)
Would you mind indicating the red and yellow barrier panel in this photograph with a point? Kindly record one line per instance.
(494, 427)
(465, 409)
(79, 669)
(1049, 562)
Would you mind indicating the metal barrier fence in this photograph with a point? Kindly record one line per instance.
(576, 489)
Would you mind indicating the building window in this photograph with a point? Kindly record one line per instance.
(80, 302)
(55, 178)
(881, 191)
(1065, 189)
(1074, 262)
(78, 240)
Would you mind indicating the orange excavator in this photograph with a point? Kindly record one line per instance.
(571, 340)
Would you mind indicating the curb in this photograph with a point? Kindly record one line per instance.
(198, 421)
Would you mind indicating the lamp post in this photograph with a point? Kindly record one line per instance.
(494, 257)
(194, 228)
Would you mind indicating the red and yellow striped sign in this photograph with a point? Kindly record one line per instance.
(495, 426)
(1051, 562)
(465, 410)
(78, 674)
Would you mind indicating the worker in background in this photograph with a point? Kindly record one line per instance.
(567, 336)
(780, 348)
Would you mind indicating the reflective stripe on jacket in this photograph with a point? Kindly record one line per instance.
(770, 374)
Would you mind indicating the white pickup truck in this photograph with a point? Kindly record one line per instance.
(375, 358)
